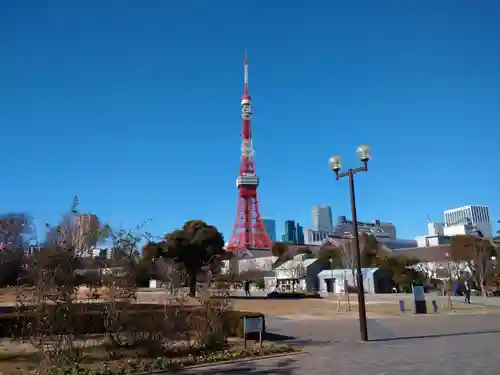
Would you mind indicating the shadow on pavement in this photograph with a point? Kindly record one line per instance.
(436, 335)
(282, 367)
(276, 337)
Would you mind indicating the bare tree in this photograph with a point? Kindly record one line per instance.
(368, 249)
(53, 308)
(16, 230)
(477, 254)
(281, 252)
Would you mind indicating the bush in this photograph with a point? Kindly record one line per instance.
(91, 319)
(293, 295)
(260, 283)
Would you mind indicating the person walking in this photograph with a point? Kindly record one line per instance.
(467, 292)
(247, 288)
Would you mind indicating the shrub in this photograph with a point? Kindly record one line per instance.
(90, 319)
(260, 283)
(292, 295)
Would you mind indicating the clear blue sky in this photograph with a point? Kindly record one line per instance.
(134, 106)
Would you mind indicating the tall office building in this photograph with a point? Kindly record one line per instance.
(85, 231)
(294, 233)
(322, 218)
(270, 226)
(299, 234)
(466, 216)
(290, 234)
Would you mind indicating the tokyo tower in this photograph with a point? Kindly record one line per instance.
(249, 231)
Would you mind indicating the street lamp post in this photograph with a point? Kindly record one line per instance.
(335, 164)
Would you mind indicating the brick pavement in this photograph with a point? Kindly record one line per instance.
(460, 344)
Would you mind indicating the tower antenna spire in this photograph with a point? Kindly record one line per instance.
(246, 71)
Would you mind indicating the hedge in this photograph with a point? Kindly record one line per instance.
(91, 319)
(292, 295)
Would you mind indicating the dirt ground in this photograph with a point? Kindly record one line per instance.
(330, 307)
(8, 296)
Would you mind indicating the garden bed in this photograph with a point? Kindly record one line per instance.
(102, 358)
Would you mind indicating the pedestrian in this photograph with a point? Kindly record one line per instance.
(247, 288)
(467, 292)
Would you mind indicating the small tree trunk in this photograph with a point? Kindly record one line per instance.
(192, 284)
(483, 288)
(449, 293)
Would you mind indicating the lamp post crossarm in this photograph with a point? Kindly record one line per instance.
(363, 168)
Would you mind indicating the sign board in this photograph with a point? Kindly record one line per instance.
(251, 325)
(419, 299)
(418, 293)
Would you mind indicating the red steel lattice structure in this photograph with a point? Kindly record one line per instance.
(249, 231)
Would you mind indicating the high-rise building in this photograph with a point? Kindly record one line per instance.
(322, 218)
(294, 233)
(86, 231)
(290, 235)
(299, 234)
(270, 225)
(457, 220)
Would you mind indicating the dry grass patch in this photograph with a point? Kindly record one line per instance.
(329, 307)
(271, 307)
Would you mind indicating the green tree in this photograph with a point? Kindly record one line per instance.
(401, 269)
(195, 246)
(151, 251)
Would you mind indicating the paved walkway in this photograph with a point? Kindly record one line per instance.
(410, 345)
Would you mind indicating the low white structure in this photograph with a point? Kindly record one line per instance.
(254, 260)
(375, 280)
(300, 273)
(153, 284)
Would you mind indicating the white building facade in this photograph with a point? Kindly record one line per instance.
(254, 260)
(464, 220)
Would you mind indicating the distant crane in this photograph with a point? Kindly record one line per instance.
(429, 218)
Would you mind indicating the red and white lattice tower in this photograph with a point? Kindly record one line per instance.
(249, 231)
